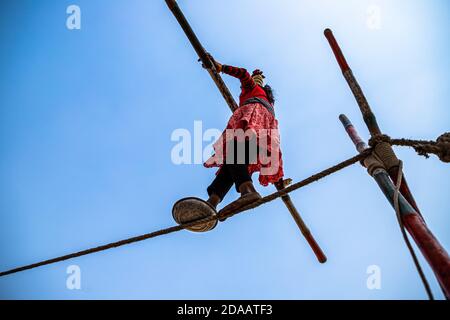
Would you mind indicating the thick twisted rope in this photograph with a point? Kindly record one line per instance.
(440, 147)
(301, 184)
(161, 232)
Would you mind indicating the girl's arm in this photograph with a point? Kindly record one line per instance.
(240, 73)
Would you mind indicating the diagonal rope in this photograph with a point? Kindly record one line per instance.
(303, 183)
(177, 228)
(405, 236)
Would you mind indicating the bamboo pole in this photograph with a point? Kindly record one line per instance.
(435, 254)
(201, 52)
(369, 117)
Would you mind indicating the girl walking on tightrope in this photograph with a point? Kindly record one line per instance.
(249, 144)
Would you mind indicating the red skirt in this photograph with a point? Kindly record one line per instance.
(253, 121)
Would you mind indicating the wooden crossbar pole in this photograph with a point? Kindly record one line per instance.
(302, 225)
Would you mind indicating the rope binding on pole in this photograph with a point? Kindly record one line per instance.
(440, 147)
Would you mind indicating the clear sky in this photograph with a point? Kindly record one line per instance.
(86, 123)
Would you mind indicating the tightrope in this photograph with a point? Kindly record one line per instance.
(266, 199)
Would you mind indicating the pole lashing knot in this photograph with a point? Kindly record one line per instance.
(440, 147)
(381, 145)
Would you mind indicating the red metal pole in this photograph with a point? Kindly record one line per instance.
(435, 254)
(368, 115)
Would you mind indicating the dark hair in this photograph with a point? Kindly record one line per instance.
(269, 92)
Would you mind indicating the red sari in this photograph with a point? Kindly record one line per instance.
(257, 121)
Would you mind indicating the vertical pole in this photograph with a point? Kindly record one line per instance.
(369, 117)
(435, 254)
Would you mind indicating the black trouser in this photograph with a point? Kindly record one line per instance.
(235, 172)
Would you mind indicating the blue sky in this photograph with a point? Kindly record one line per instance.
(86, 121)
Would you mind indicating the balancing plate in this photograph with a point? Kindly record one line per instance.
(191, 209)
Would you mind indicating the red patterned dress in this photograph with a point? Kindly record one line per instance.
(257, 119)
